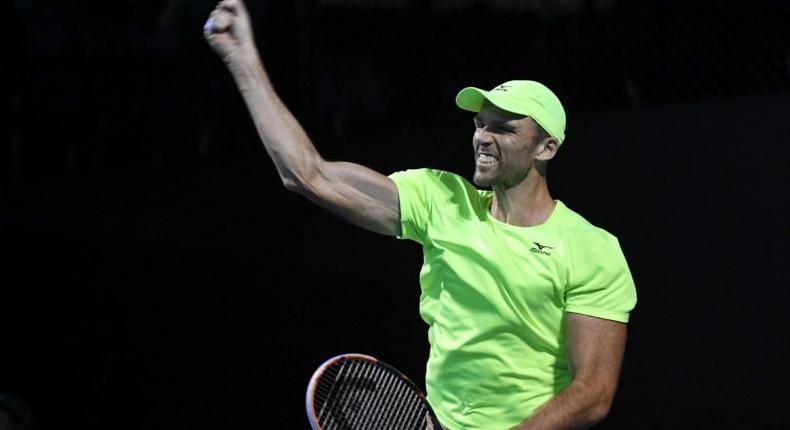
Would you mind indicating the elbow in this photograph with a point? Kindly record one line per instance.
(599, 412)
(599, 409)
(302, 184)
(599, 403)
(299, 186)
(300, 179)
(293, 184)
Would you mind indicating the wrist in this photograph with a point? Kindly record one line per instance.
(242, 61)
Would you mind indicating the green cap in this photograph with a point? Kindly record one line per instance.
(523, 97)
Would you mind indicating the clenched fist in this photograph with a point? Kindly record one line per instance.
(228, 31)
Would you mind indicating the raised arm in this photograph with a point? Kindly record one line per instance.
(595, 351)
(356, 193)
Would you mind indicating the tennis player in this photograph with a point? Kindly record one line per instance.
(526, 301)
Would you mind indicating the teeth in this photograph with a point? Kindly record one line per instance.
(486, 158)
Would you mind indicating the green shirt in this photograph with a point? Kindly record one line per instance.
(494, 297)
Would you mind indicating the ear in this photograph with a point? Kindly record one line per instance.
(547, 149)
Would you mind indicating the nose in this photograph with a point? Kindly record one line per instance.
(482, 137)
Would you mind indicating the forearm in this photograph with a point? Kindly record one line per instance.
(578, 406)
(286, 142)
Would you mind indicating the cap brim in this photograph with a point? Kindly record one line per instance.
(471, 99)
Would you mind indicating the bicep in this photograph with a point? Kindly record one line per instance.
(361, 195)
(595, 351)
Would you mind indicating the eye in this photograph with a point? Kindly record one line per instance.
(499, 128)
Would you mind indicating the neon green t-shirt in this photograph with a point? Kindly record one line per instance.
(494, 297)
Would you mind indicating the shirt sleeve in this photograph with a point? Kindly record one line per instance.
(414, 202)
(601, 284)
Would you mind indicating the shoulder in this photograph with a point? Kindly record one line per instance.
(439, 190)
(426, 174)
(580, 230)
(431, 178)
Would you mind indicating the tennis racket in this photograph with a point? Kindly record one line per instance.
(359, 392)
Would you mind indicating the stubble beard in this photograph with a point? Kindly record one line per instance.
(484, 177)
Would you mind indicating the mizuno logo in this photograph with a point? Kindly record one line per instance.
(541, 249)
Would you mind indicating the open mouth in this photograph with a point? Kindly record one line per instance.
(485, 158)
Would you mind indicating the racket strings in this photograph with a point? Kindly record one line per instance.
(331, 415)
(358, 395)
(337, 404)
(370, 404)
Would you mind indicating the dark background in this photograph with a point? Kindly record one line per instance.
(155, 273)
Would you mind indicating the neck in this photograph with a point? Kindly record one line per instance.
(527, 204)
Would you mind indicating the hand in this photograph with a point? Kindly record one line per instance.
(228, 31)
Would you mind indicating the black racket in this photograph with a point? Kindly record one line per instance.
(359, 392)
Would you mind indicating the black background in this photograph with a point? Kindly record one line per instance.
(156, 274)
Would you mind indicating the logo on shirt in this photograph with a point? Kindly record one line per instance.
(541, 249)
(502, 87)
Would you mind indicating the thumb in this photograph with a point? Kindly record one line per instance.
(217, 32)
(218, 22)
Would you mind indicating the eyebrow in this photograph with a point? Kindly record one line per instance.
(496, 124)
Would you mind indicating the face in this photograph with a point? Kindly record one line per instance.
(504, 146)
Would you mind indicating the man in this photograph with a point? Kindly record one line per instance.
(526, 301)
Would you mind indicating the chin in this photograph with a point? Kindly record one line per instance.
(483, 180)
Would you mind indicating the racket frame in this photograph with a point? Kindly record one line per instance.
(316, 377)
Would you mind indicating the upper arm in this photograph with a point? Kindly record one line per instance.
(595, 352)
(360, 195)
